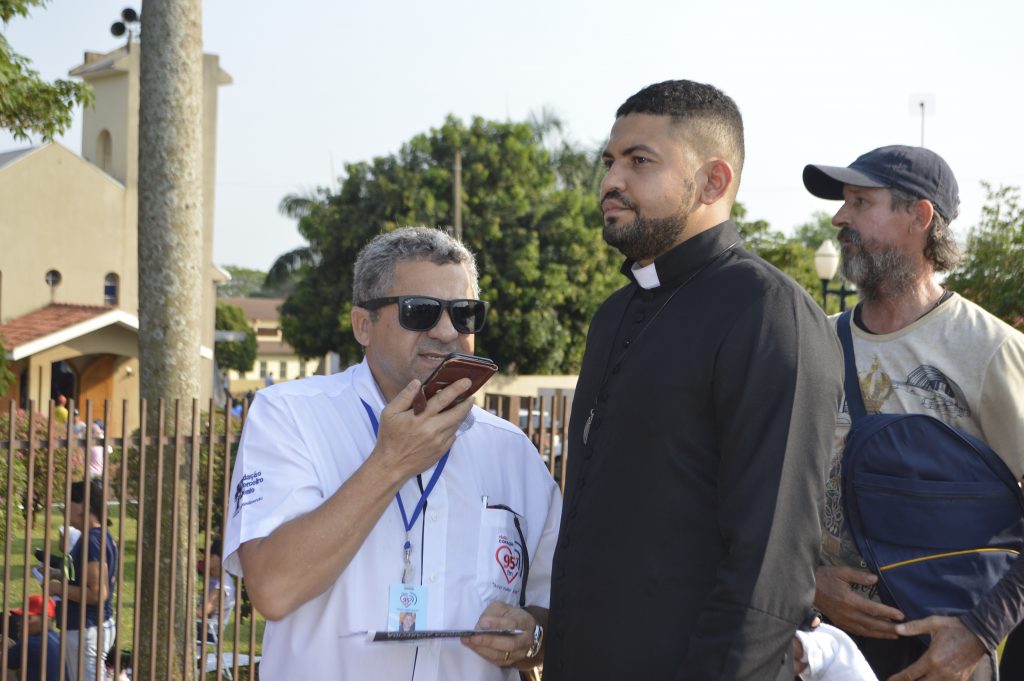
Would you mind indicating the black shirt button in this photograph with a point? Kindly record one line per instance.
(603, 397)
(615, 369)
(626, 342)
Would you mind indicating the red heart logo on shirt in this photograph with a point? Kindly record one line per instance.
(510, 561)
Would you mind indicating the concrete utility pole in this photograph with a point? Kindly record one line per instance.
(170, 294)
(457, 194)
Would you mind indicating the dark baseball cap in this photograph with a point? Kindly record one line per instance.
(915, 170)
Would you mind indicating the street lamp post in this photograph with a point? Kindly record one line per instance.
(826, 263)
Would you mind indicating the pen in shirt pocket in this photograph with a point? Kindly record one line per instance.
(500, 507)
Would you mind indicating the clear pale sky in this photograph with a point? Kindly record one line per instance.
(321, 83)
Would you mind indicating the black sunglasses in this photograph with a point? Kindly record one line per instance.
(421, 313)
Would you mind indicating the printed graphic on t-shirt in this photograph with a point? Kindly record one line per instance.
(936, 393)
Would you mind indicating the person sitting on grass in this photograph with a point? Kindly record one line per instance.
(36, 640)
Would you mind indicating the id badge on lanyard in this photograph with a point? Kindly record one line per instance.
(407, 602)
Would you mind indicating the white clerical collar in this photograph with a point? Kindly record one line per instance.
(646, 276)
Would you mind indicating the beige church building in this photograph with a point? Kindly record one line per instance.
(69, 277)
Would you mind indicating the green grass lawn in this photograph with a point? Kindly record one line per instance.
(126, 541)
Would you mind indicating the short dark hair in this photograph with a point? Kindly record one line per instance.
(708, 111)
(97, 500)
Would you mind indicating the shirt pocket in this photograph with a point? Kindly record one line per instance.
(501, 556)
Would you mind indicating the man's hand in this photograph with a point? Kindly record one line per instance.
(504, 651)
(952, 656)
(847, 609)
(411, 443)
(797, 653)
(797, 650)
(324, 540)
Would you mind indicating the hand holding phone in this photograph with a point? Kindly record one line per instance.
(453, 367)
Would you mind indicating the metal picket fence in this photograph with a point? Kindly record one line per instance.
(40, 457)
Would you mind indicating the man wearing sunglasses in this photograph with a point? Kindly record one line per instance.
(700, 424)
(352, 511)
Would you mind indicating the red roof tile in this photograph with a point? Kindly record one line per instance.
(45, 321)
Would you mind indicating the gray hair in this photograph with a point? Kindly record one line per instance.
(941, 249)
(375, 264)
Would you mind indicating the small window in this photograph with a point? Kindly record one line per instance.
(104, 151)
(302, 368)
(267, 331)
(263, 369)
(283, 373)
(53, 279)
(110, 286)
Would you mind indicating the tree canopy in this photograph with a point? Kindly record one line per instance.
(245, 282)
(794, 255)
(991, 274)
(529, 213)
(6, 377)
(237, 355)
(29, 104)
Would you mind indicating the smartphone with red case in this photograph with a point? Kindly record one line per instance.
(453, 367)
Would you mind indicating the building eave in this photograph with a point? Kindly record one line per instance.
(70, 333)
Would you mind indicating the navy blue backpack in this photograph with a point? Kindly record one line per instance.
(935, 513)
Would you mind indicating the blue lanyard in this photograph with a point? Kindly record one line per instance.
(409, 522)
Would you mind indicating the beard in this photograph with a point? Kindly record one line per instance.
(646, 238)
(878, 271)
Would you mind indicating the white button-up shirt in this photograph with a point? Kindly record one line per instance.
(302, 441)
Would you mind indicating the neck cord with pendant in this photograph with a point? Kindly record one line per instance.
(618, 360)
(408, 522)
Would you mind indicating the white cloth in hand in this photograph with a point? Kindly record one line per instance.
(833, 656)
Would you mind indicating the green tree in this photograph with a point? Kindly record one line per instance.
(789, 254)
(529, 213)
(244, 283)
(29, 104)
(991, 273)
(793, 255)
(813, 232)
(6, 376)
(237, 355)
(288, 269)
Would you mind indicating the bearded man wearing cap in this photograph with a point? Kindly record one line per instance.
(894, 233)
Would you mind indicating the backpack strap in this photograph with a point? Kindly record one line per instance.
(854, 400)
